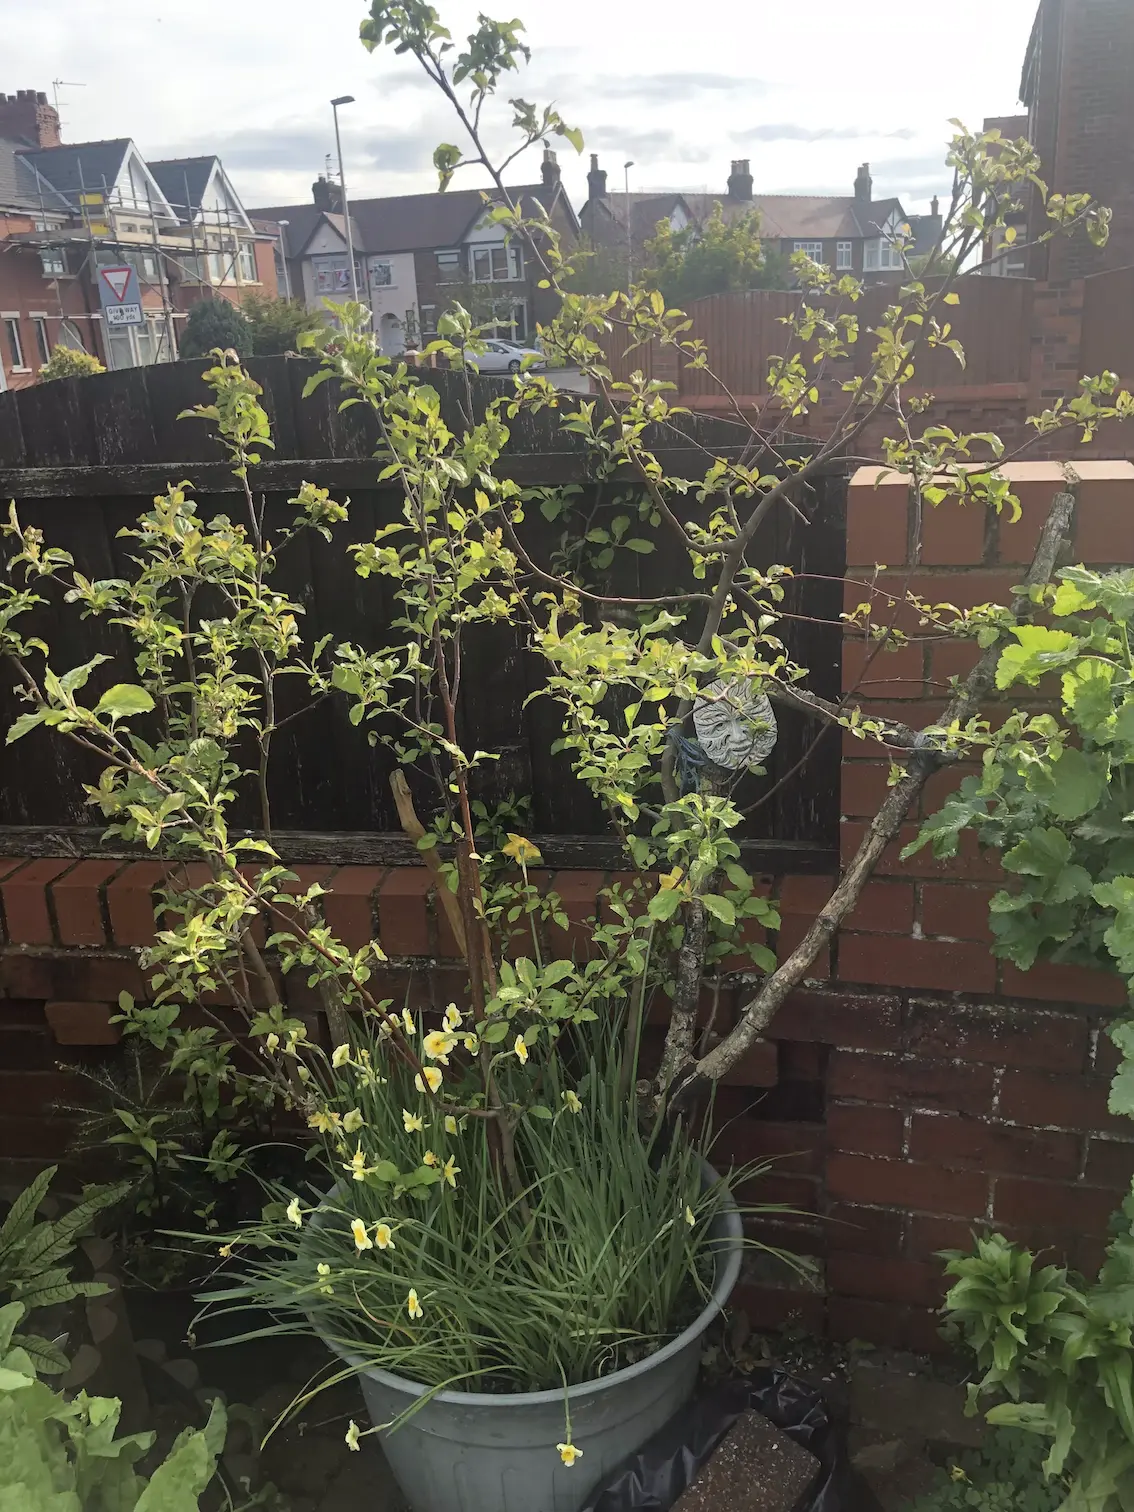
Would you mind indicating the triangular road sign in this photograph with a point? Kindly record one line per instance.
(118, 279)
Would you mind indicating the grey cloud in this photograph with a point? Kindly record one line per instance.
(664, 88)
(788, 131)
(660, 144)
(302, 149)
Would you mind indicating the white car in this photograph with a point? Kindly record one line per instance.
(504, 357)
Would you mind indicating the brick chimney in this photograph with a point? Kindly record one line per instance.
(596, 180)
(549, 169)
(935, 207)
(863, 185)
(27, 117)
(740, 180)
(327, 195)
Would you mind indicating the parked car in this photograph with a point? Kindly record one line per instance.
(504, 357)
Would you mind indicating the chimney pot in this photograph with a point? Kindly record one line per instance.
(549, 170)
(864, 185)
(27, 117)
(740, 180)
(935, 206)
(596, 180)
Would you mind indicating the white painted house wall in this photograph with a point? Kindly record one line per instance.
(390, 299)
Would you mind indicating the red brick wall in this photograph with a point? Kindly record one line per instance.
(23, 288)
(913, 1089)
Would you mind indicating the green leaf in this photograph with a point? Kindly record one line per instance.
(23, 724)
(663, 905)
(123, 700)
(1073, 785)
(720, 908)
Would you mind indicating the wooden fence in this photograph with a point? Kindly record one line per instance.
(81, 458)
(742, 332)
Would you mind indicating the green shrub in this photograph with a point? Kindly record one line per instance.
(61, 1456)
(1004, 1475)
(30, 1255)
(215, 323)
(66, 362)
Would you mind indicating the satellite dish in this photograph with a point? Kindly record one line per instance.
(735, 725)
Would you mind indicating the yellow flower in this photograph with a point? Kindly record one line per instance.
(521, 1050)
(573, 1103)
(452, 1019)
(472, 1044)
(450, 1171)
(362, 1240)
(433, 1079)
(384, 1236)
(689, 1218)
(411, 1122)
(407, 1022)
(358, 1167)
(303, 1072)
(429, 1158)
(293, 1212)
(450, 1124)
(353, 1121)
(341, 1056)
(353, 1434)
(438, 1045)
(413, 1306)
(273, 1042)
(669, 880)
(525, 852)
(569, 1454)
(323, 1269)
(225, 1251)
(325, 1122)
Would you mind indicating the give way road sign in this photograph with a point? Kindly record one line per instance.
(120, 296)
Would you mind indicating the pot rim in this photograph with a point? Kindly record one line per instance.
(730, 1247)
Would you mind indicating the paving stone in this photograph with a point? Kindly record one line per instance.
(755, 1468)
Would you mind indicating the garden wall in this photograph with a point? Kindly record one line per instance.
(913, 1090)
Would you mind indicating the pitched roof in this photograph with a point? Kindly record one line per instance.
(87, 165)
(20, 187)
(803, 216)
(404, 222)
(176, 176)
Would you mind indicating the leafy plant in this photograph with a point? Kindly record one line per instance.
(190, 729)
(63, 1456)
(66, 362)
(33, 1254)
(1004, 1475)
(277, 323)
(215, 323)
(719, 257)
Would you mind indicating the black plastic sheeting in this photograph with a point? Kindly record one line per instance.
(653, 1479)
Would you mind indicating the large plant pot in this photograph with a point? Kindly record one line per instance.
(467, 1451)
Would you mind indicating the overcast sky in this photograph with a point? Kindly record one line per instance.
(805, 90)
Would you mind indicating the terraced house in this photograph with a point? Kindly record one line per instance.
(106, 252)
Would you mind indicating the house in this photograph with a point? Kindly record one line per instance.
(1005, 249)
(415, 254)
(851, 233)
(1076, 87)
(70, 211)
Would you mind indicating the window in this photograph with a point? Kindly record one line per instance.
(449, 268)
(498, 264)
(248, 272)
(15, 345)
(429, 320)
(53, 261)
(381, 273)
(844, 255)
(813, 249)
(881, 256)
(41, 337)
(332, 274)
(510, 321)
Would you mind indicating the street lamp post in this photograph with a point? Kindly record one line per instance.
(626, 167)
(345, 100)
(283, 225)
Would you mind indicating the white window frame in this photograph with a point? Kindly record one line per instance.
(813, 249)
(330, 272)
(844, 256)
(58, 262)
(10, 319)
(42, 338)
(500, 263)
(381, 283)
(246, 263)
(428, 321)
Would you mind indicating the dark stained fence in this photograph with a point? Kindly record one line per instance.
(743, 332)
(83, 457)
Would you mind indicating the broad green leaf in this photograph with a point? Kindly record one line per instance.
(123, 700)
